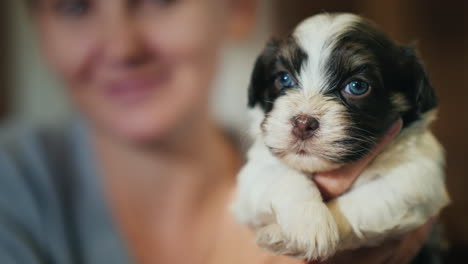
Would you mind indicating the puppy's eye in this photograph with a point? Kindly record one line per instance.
(357, 88)
(284, 80)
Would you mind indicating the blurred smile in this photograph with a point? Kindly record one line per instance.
(130, 90)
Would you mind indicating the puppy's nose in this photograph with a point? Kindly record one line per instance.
(304, 126)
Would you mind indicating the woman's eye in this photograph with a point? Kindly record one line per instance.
(284, 80)
(74, 8)
(357, 88)
(162, 2)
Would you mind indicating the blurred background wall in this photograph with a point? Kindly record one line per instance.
(4, 73)
(35, 93)
(440, 28)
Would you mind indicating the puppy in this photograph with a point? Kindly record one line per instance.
(321, 98)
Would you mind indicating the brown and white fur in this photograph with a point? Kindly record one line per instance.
(402, 187)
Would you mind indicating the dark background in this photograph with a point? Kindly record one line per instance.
(440, 29)
(4, 52)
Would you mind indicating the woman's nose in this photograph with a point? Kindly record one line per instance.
(124, 43)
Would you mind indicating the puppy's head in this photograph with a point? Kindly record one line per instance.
(329, 91)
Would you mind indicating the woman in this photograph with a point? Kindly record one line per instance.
(145, 176)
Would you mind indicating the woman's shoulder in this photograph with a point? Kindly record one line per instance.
(33, 153)
(31, 159)
(34, 160)
(51, 205)
(40, 162)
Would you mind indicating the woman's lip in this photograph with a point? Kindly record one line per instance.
(131, 90)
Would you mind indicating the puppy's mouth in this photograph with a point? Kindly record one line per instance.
(301, 148)
(302, 152)
(295, 150)
(305, 158)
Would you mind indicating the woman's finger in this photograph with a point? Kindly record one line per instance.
(365, 255)
(336, 182)
(412, 243)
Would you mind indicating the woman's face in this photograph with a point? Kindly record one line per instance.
(138, 69)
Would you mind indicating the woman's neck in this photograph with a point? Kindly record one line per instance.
(187, 163)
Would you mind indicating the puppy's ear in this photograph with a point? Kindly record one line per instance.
(259, 80)
(417, 86)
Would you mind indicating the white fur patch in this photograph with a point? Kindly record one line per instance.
(318, 47)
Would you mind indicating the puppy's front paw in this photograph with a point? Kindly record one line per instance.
(307, 232)
(272, 239)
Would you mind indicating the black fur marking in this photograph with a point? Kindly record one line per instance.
(278, 56)
(416, 86)
(365, 53)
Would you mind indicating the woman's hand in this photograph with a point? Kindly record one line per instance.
(336, 182)
(394, 251)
